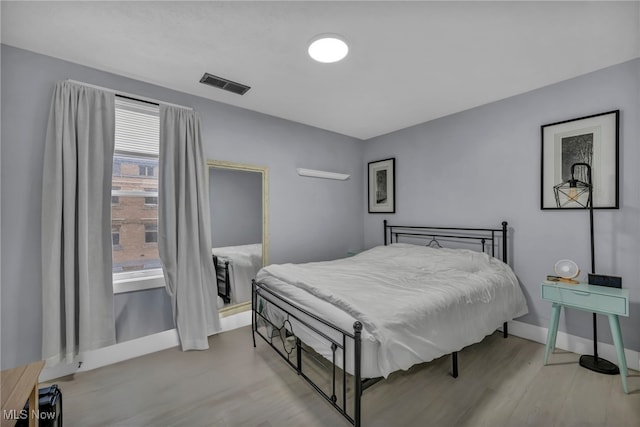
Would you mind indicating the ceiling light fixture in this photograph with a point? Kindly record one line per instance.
(328, 48)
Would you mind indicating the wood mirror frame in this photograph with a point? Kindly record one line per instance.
(264, 171)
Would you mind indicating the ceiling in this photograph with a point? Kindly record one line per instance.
(409, 62)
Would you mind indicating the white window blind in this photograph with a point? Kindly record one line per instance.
(137, 128)
(134, 195)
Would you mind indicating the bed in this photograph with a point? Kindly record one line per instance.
(388, 308)
(236, 267)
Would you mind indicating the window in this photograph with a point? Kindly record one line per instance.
(115, 200)
(145, 170)
(151, 200)
(115, 237)
(134, 196)
(151, 233)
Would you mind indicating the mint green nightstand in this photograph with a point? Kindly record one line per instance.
(611, 302)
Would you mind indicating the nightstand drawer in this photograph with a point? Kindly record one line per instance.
(578, 298)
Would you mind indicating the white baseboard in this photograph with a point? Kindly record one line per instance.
(235, 321)
(167, 339)
(133, 348)
(573, 343)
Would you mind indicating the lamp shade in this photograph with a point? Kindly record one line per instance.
(572, 194)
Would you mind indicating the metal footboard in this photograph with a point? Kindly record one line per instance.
(281, 337)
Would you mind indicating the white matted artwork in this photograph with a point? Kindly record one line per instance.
(382, 186)
(593, 140)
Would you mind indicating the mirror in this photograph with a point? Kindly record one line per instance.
(239, 230)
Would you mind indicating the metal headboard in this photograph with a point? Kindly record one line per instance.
(487, 238)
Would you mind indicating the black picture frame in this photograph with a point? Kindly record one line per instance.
(382, 186)
(594, 140)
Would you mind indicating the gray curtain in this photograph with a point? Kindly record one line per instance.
(77, 288)
(184, 238)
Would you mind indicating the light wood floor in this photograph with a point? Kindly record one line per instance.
(501, 383)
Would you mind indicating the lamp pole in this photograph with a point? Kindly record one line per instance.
(590, 204)
(593, 363)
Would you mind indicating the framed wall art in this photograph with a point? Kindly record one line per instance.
(593, 140)
(382, 186)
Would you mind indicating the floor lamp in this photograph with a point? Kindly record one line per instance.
(577, 193)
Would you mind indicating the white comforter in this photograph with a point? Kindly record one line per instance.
(419, 302)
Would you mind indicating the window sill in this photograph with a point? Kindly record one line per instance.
(133, 284)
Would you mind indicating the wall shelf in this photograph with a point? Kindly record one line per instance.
(322, 174)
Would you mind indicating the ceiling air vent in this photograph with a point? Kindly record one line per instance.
(228, 85)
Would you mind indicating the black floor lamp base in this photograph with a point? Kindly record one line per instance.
(598, 364)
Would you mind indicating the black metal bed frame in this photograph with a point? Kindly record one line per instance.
(222, 279)
(281, 334)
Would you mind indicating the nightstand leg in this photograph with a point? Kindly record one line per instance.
(614, 323)
(553, 331)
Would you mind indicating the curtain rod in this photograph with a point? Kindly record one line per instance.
(130, 95)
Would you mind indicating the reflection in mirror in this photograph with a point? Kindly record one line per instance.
(237, 197)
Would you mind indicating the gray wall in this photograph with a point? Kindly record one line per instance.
(482, 166)
(142, 313)
(236, 207)
(478, 167)
(309, 219)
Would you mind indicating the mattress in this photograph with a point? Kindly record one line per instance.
(416, 303)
